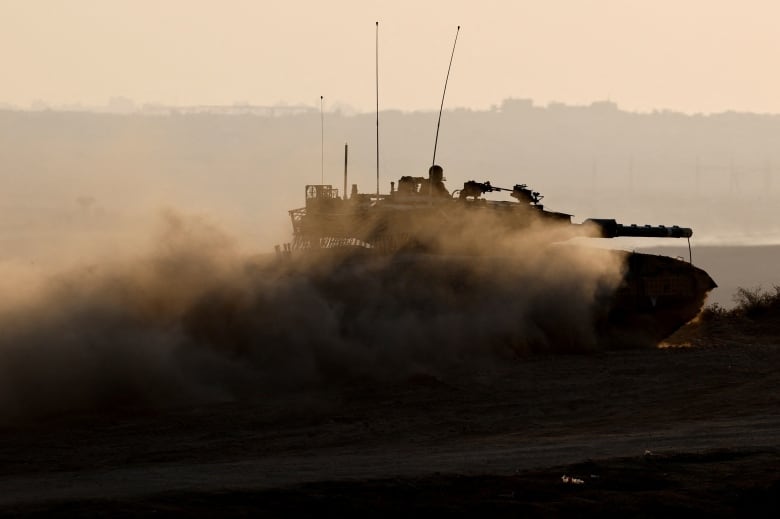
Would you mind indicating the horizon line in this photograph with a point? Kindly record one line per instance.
(125, 106)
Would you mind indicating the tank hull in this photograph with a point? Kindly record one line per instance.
(657, 296)
(551, 300)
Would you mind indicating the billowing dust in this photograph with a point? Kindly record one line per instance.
(196, 320)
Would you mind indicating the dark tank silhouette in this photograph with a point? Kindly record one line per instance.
(420, 220)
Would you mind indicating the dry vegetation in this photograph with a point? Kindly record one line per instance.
(753, 304)
(755, 317)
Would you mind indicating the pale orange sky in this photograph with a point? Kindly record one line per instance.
(687, 55)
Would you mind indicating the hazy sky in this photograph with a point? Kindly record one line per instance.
(688, 55)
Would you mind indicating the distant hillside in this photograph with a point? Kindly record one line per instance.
(719, 173)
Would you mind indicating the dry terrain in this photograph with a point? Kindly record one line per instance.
(691, 426)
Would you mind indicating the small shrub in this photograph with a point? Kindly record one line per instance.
(713, 312)
(750, 302)
(753, 302)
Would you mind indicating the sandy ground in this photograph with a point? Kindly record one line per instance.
(686, 428)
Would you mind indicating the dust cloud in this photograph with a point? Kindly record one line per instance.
(196, 320)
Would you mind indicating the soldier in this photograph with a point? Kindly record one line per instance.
(436, 179)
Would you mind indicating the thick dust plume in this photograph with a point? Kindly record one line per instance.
(196, 320)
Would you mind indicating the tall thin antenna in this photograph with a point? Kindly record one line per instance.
(346, 155)
(322, 143)
(438, 124)
(376, 59)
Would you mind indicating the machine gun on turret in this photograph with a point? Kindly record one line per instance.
(473, 190)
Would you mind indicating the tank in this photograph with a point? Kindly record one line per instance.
(420, 220)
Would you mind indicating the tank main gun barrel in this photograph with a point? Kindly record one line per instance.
(608, 228)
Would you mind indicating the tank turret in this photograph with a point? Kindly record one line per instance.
(382, 222)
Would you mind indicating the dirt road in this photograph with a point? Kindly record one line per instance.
(508, 421)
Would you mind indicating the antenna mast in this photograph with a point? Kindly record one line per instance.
(322, 144)
(436, 142)
(376, 59)
(346, 155)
